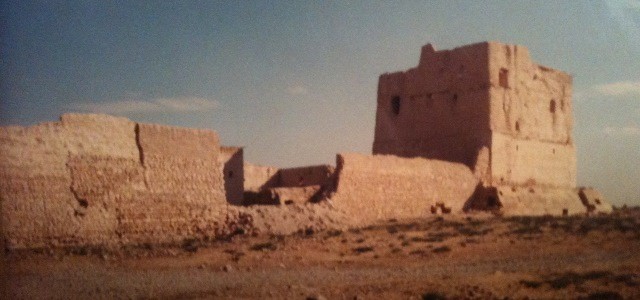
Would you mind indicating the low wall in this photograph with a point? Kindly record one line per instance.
(258, 178)
(305, 176)
(103, 180)
(379, 187)
(539, 201)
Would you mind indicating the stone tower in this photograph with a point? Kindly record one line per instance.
(488, 106)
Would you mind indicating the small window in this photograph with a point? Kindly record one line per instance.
(395, 105)
(518, 126)
(454, 103)
(552, 106)
(504, 78)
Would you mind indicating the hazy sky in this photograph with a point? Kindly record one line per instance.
(295, 81)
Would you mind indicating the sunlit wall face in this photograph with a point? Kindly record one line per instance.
(296, 82)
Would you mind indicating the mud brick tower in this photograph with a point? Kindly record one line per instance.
(486, 105)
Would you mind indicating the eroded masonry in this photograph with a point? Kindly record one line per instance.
(480, 127)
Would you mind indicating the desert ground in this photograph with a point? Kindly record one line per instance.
(476, 256)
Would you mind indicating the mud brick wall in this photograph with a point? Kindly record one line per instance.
(380, 187)
(439, 109)
(305, 176)
(258, 178)
(489, 95)
(185, 188)
(103, 180)
(531, 121)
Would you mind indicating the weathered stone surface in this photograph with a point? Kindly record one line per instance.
(537, 201)
(378, 187)
(258, 178)
(103, 180)
(305, 176)
(271, 186)
(487, 95)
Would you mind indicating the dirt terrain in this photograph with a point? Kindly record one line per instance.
(479, 256)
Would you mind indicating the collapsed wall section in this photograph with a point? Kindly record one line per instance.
(305, 176)
(380, 187)
(271, 186)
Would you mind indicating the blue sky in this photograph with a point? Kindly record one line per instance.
(295, 81)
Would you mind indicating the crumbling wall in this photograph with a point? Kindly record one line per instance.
(185, 189)
(528, 101)
(489, 106)
(42, 204)
(305, 176)
(531, 121)
(525, 162)
(273, 186)
(439, 109)
(258, 178)
(378, 187)
(103, 180)
(232, 159)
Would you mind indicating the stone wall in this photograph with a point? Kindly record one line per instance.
(439, 109)
(379, 187)
(487, 95)
(305, 176)
(107, 181)
(232, 159)
(531, 121)
(489, 106)
(271, 186)
(258, 178)
(523, 162)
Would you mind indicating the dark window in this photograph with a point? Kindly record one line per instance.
(504, 78)
(552, 106)
(395, 105)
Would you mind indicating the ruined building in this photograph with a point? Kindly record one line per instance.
(491, 108)
(479, 127)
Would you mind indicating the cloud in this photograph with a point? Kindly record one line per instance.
(622, 88)
(178, 104)
(297, 90)
(622, 131)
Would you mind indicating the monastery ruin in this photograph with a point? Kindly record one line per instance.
(480, 127)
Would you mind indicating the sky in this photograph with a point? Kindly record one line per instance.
(295, 82)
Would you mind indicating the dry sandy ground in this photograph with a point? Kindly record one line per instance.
(471, 257)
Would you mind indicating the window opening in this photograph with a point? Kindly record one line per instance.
(503, 78)
(395, 105)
